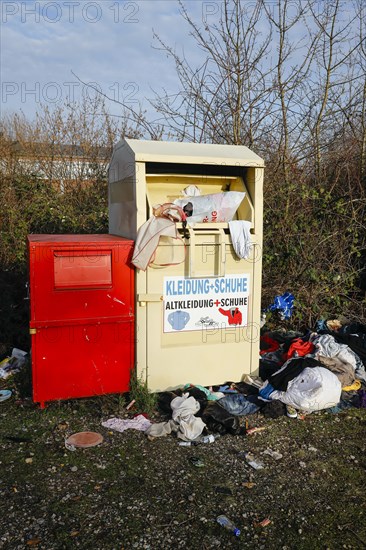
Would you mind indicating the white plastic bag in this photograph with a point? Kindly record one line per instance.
(314, 389)
(217, 207)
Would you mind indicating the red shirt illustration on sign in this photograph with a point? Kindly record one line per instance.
(234, 315)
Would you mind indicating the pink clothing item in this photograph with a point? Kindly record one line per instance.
(119, 425)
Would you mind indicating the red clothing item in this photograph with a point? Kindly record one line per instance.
(234, 315)
(271, 345)
(300, 348)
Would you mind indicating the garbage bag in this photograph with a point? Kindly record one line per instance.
(314, 389)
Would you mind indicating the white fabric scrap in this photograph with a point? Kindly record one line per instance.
(187, 426)
(240, 238)
(119, 425)
(184, 408)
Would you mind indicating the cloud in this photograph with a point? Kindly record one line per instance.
(107, 42)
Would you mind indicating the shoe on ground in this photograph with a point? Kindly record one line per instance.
(256, 382)
(291, 411)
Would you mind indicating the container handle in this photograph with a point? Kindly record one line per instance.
(222, 251)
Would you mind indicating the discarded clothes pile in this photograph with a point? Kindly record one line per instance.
(316, 370)
(306, 372)
(194, 410)
(308, 388)
(184, 423)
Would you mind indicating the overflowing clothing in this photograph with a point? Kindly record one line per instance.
(327, 346)
(148, 239)
(184, 423)
(290, 370)
(344, 371)
(318, 370)
(240, 238)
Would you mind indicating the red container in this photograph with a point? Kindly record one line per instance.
(82, 315)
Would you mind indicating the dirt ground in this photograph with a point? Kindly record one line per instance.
(130, 492)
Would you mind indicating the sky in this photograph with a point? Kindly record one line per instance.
(47, 46)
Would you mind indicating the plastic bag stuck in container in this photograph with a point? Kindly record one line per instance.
(217, 207)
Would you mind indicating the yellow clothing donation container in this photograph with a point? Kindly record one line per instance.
(197, 304)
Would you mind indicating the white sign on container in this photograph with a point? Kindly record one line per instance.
(205, 303)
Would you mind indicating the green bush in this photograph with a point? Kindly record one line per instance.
(316, 249)
(32, 205)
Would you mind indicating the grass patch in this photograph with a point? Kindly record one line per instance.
(145, 400)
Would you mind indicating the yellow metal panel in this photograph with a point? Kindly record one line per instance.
(141, 203)
(193, 153)
(208, 356)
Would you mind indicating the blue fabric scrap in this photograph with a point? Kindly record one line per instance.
(266, 391)
(284, 304)
(226, 389)
(238, 404)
